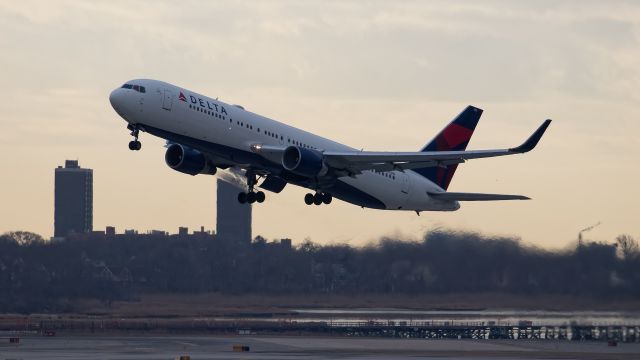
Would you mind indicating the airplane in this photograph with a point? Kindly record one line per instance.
(205, 134)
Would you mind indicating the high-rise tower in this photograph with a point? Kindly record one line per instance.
(233, 218)
(73, 199)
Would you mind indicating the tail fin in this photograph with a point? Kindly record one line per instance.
(454, 137)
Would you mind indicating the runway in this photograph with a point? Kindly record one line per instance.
(311, 348)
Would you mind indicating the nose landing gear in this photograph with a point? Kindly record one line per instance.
(134, 145)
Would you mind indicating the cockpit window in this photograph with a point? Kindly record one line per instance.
(137, 88)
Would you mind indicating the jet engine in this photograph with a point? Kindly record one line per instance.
(187, 160)
(305, 162)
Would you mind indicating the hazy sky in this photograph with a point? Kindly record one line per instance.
(378, 75)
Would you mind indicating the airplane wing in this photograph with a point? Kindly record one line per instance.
(353, 163)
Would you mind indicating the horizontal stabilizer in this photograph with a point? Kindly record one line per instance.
(457, 196)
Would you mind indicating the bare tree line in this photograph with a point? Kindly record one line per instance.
(37, 276)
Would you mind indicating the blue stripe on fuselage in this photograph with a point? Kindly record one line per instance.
(339, 189)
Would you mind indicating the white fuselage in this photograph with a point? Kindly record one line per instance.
(228, 131)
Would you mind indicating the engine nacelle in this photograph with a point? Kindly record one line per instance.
(187, 160)
(305, 162)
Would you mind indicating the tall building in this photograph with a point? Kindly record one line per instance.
(73, 199)
(234, 219)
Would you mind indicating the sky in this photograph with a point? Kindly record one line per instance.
(378, 75)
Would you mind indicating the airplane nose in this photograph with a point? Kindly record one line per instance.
(115, 98)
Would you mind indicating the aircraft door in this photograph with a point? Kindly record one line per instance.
(167, 99)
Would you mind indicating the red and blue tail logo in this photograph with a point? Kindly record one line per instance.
(454, 137)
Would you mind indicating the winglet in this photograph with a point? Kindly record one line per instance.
(532, 141)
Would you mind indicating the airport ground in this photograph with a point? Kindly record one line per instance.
(214, 304)
(268, 347)
(208, 326)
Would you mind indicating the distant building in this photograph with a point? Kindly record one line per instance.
(73, 211)
(110, 231)
(286, 243)
(233, 218)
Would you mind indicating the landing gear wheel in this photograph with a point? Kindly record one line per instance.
(251, 197)
(260, 197)
(317, 199)
(308, 199)
(242, 197)
(134, 145)
(326, 198)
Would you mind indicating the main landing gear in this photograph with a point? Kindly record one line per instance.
(251, 196)
(318, 198)
(134, 145)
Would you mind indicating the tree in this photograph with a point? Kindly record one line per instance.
(309, 246)
(627, 246)
(24, 238)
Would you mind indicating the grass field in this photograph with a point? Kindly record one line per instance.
(171, 305)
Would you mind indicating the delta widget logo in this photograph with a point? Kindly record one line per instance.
(182, 97)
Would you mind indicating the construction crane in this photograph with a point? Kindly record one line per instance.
(586, 230)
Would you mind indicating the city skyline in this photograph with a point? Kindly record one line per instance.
(380, 76)
(73, 213)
